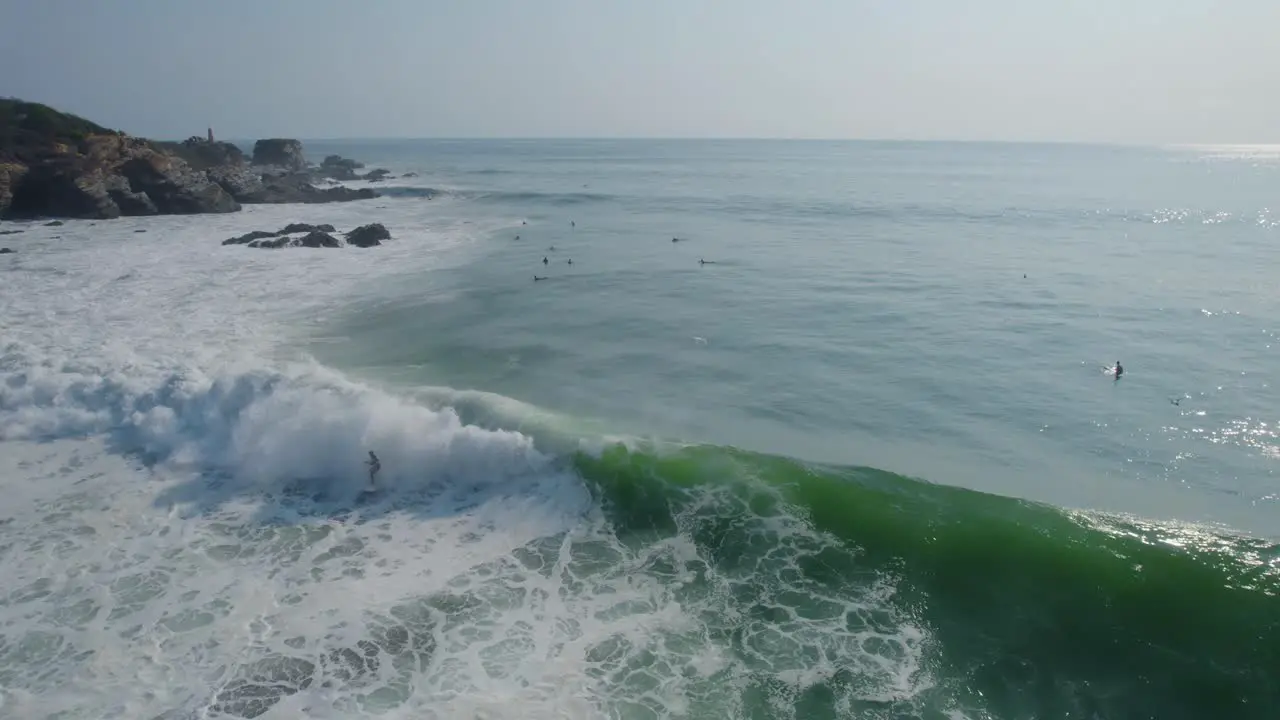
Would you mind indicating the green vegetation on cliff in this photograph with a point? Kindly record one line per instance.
(31, 131)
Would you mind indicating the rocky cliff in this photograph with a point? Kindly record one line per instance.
(53, 164)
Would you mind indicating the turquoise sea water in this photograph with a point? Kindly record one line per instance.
(868, 305)
(863, 463)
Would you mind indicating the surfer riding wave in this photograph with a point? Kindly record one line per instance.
(374, 467)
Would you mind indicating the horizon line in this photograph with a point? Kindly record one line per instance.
(722, 138)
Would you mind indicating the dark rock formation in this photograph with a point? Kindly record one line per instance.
(5, 251)
(269, 238)
(315, 239)
(280, 152)
(297, 188)
(317, 236)
(9, 232)
(410, 174)
(336, 167)
(251, 186)
(272, 243)
(171, 184)
(201, 154)
(249, 237)
(241, 183)
(55, 223)
(339, 161)
(341, 194)
(318, 239)
(305, 227)
(377, 174)
(368, 235)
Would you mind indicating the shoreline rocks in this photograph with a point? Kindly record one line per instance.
(53, 164)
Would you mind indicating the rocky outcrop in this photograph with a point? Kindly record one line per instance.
(336, 167)
(316, 236)
(368, 235)
(318, 239)
(241, 183)
(251, 186)
(314, 239)
(279, 152)
(202, 154)
(106, 176)
(169, 183)
(305, 227)
(54, 164)
(249, 237)
(9, 232)
(297, 188)
(5, 251)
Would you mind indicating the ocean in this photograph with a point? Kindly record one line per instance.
(804, 430)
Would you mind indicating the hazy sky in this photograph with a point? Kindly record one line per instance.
(1145, 71)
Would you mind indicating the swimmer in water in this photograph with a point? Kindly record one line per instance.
(544, 259)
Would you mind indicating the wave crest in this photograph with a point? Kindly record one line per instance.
(260, 427)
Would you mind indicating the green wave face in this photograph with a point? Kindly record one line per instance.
(838, 592)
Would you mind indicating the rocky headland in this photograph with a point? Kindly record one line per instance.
(53, 164)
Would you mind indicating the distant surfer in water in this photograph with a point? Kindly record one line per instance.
(1119, 370)
(374, 467)
(544, 259)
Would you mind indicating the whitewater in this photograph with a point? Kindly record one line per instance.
(182, 533)
(183, 540)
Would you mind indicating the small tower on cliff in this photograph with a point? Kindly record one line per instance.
(210, 134)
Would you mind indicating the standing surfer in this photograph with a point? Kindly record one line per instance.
(374, 467)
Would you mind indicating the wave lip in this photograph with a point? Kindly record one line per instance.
(263, 428)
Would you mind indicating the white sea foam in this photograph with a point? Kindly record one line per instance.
(180, 538)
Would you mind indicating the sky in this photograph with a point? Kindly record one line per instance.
(1111, 71)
